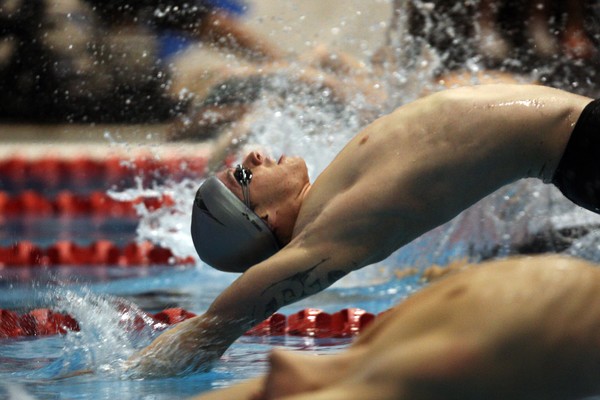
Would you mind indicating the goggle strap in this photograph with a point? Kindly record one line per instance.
(246, 193)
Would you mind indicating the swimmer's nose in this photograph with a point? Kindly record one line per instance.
(254, 159)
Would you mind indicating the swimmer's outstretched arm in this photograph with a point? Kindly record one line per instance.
(193, 345)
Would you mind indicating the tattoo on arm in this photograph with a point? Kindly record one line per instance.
(295, 287)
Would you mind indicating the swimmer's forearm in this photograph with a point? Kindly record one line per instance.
(529, 124)
(190, 346)
(481, 138)
(194, 344)
(267, 287)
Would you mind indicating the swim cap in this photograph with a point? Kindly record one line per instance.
(228, 235)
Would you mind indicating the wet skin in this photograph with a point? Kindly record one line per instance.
(404, 174)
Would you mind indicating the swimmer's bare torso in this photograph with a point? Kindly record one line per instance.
(418, 167)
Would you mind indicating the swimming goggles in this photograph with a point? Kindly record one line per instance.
(243, 176)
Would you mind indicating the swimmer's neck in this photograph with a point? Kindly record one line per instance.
(304, 192)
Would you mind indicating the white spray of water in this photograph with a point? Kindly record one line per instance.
(16, 391)
(167, 226)
(110, 331)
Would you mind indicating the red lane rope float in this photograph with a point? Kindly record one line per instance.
(39, 322)
(309, 322)
(313, 322)
(53, 171)
(98, 253)
(67, 203)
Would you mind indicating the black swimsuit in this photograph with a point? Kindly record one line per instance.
(578, 173)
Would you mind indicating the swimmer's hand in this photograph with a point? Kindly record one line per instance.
(190, 346)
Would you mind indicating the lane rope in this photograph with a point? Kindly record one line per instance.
(67, 203)
(310, 322)
(52, 172)
(97, 253)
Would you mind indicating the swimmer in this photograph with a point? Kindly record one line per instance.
(401, 176)
(224, 99)
(522, 328)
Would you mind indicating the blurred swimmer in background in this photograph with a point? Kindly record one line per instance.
(111, 61)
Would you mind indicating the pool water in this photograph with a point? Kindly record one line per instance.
(245, 359)
(36, 365)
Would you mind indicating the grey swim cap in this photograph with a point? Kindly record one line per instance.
(228, 235)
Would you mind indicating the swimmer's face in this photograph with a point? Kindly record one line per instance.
(272, 181)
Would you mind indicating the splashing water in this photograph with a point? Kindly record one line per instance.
(316, 131)
(110, 331)
(16, 391)
(167, 226)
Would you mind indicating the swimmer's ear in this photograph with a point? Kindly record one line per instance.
(268, 213)
(269, 221)
(269, 217)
